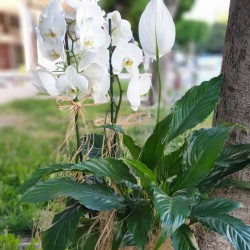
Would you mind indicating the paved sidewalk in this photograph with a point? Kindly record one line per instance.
(14, 92)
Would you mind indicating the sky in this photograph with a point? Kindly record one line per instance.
(209, 10)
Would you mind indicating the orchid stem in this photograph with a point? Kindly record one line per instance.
(78, 142)
(120, 99)
(160, 83)
(111, 76)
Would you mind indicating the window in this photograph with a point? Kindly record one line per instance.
(14, 22)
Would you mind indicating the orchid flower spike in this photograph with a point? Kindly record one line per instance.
(156, 28)
(126, 55)
(72, 84)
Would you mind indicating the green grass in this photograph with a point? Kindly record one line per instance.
(29, 140)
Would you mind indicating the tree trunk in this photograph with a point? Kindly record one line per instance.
(234, 107)
(172, 7)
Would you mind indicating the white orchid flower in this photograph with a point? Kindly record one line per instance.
(156, 25)
(101, 89)
(99, 82)
(88, 58)
(72, 3)
(121, 29)
(92, 37)
(138, 86)
(45, 82)
(72, 84)
(51, 49)
(52, 22)
(126, 55)
(86, 12)
(51, 31)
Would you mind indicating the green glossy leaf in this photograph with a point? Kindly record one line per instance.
(109, 167)
(146, 176)
(96, 197)
(232, 159)
(139, 221)
(92, 145)
(234, 154)
(128, 240)
(64, 225)
(83, 239)
(194, 107)
(173, 212)
(153, 149)
(119, 232)
(112, 168)
(170, 165)
(134, 150)
(229, 183)
(232, 229)
(213, 207)
(41, 173)
(199, 157)
(183, 239)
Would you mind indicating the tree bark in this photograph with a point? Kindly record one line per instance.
(234, 107)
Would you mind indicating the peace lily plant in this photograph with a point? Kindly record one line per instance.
(158, 191)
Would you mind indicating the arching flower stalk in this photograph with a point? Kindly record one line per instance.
(157, 36)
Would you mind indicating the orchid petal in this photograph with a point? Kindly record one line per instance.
(126, 30)
(118, 58)
(133, 93)
(92, 37)
(45, 82)
(145, 84)
(63, 84)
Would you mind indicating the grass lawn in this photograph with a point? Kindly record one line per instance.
(30, 132)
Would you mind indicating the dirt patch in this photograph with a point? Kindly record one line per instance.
(11, 120)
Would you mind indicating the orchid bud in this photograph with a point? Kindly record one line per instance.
(156, 27)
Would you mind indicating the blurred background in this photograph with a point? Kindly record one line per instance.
(197, 55)
(31, 127)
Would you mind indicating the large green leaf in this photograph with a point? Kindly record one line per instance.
(96, 197)
(170, 165)
(229, 183)
(153, 149)
(64, 225)
(213, 207)
(109, 167)
(183, 239)
(234, 154)
(119, 232)
(139, 220)
(172, 211)
(84, 239)
(234, 230)
(128, 240)
(194, 107)
(146, 176)
(232, 159)
(112, 168)
(134, 150)
(199, 157)
(41, 173)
